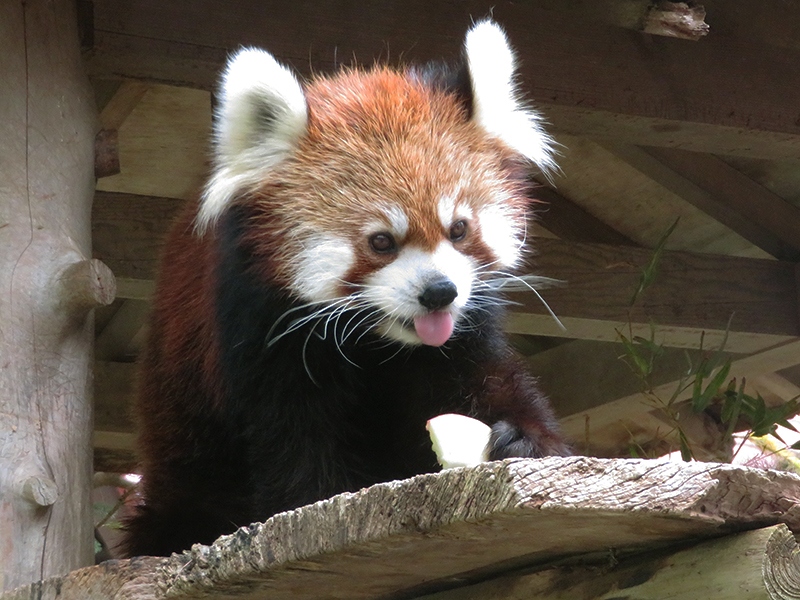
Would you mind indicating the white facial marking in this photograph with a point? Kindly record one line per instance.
(446, 208)
(450, 212)
(395, 288)
(501, 234)
(321, 266)
(398, 220)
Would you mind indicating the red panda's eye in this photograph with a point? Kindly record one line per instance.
(382, 243)
(458, 231)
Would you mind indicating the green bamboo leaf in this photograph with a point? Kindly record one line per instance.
(686, 451)
(760, 412)
(737, 404)
(650, 345)
(697, 391)
(728, 407)
(633, 354)
(648, 274)
(700, 403)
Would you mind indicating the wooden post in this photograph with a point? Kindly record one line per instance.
(48, 286)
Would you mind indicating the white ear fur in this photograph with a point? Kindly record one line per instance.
(261, 117)
(496, 105)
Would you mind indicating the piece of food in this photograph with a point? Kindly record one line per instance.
(459, 441)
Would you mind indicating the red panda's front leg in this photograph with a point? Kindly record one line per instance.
(522, 422)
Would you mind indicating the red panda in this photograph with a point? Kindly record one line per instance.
(336, 286)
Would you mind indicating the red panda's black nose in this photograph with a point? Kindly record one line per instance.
(438, 294)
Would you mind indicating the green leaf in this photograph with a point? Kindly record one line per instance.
(686, 451)
(641, 364)
(649, 345)
(701, 402)
(760, 411)
(648, 275)
(733, 417)
(697, 390)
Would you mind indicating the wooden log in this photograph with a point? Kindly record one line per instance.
(756, 565)
(48, 286)
(676, 19)
(782, 566)
(85, 285)
(408, 538)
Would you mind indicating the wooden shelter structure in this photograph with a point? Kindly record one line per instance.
(663, 110)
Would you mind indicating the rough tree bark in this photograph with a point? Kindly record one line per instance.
(48, 286)
(405, 539)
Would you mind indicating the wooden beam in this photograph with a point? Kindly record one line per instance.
(127, 95)
(434, 532)
(106, 460)
(647, 89)
(750, 565)
(128, 231)
(735, 198)
(113, 438)
(754, 299)
(114, 393)
(568, 221)
(778, 386)
(117, 340)
(737, 192)
(585, 374)
(722, 192)
(135, 289)
(692, 292)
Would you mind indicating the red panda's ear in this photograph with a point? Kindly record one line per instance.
(496, 105)
(261, 117)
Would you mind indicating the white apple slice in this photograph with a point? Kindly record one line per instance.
(459, 441)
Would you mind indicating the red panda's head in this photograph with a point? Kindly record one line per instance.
(384, 193)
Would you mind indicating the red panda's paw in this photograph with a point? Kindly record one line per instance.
(509, 441)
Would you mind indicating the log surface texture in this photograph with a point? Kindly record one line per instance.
(48, 287)
(407, 538)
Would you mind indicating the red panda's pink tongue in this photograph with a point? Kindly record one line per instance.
(434, 329)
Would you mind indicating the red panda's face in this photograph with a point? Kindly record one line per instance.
(397, 204)
(379, 196)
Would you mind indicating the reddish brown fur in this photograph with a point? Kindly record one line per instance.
(376, 137)
(346, 166)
